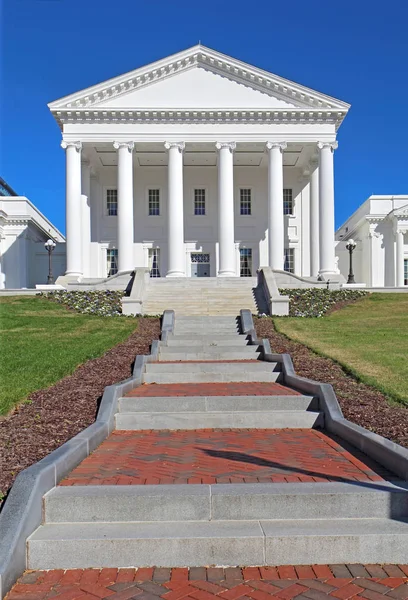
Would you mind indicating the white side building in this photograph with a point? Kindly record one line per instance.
(23, 232)
(199, 165)
(380, 229)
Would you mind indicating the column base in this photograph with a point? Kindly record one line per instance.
(227, 274)
(175, 274)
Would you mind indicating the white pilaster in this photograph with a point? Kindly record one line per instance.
(86, 216)
(314, 221)
(399, 257)
(226, 231)
(326, 209)
(175, 211)
(125, 206)
(73, 208)
(276, 236)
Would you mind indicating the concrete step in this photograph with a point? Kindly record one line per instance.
(256, 366)
(243, 350)
(216, 404)
(229, 543)
(207, 340)
(225, 377)
(283, 501)
(209, 355)
(219, 420)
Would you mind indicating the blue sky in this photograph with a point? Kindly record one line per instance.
(354, 50)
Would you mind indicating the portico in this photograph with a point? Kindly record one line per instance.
(241, 172)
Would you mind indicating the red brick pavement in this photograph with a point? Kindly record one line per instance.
(222, 456)
(316, 582)
(212, 389)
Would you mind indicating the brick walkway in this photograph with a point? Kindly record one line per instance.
(372, 582)
(211, 389)
(222, 456)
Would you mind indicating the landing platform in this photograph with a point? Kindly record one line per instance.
(223, 456)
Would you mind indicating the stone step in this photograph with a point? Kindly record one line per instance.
(219, 330)
(293, 419)
(209, 355)
(255, 366)
(225, 377)
(207, 340)
(228, 543)
(216, 404)
(283, 501)
(243, 350)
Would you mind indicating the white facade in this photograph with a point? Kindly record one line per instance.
(23, 232)
(199, 164)
(380, 229)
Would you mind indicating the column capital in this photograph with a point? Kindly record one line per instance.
(77, 145)
(179, 145)
(281, 145)
(332, 145)
(230, 145)
(128, 145)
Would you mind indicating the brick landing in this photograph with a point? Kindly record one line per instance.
(372, 582)
(222, 456)
(151, 390)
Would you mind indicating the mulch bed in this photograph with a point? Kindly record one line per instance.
(54, 415)
(360, 403)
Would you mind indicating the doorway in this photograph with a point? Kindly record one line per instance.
(200, 264)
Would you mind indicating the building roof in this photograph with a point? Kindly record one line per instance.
(5, 189)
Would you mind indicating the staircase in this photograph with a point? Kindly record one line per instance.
(201, 296)
(316, 522)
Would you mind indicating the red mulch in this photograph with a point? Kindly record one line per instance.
(360, 403)
(61, 411)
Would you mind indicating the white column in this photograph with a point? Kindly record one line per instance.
(86, 216)
(226, 231)
(314, 221)
(276, 235)
(175, 211)
(399, 258)
(326, 209)
(73, 208)
(125, 206)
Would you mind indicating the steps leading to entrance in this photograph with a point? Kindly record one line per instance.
(201, 296)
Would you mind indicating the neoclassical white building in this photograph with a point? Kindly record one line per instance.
(199, 165)
(380, 229)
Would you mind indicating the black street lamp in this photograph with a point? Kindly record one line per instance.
(350, 246)
(50, 246)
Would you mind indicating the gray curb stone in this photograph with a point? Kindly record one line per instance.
(22, 511)
(388, 454)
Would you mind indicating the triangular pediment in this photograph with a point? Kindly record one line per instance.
(198, 78)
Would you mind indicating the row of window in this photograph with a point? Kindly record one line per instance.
(200, 202)
(245, 261)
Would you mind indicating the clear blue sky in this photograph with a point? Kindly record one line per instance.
(355, 50)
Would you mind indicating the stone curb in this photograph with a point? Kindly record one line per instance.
(22, 512)
(388, 454)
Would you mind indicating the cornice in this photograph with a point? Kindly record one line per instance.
(210, 116)
(211, 60)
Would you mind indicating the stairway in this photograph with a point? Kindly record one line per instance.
(333, 521)
(201, 296)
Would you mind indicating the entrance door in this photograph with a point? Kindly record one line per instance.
(245, 262)
(200, 264)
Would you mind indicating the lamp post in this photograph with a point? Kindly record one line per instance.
(350, 246)
(50, 246)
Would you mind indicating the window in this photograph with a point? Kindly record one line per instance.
(245, 201)
(112, 202)
(245, 262)
(154, 203)
(289, 260)
(199, 202)
(287, 202)
(154, 262)
(405, 271)
(112, 261)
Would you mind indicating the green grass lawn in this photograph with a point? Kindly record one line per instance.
(370, 338)
(41, 342)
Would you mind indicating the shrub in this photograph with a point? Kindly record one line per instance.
(316, 302)
(102, 303)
